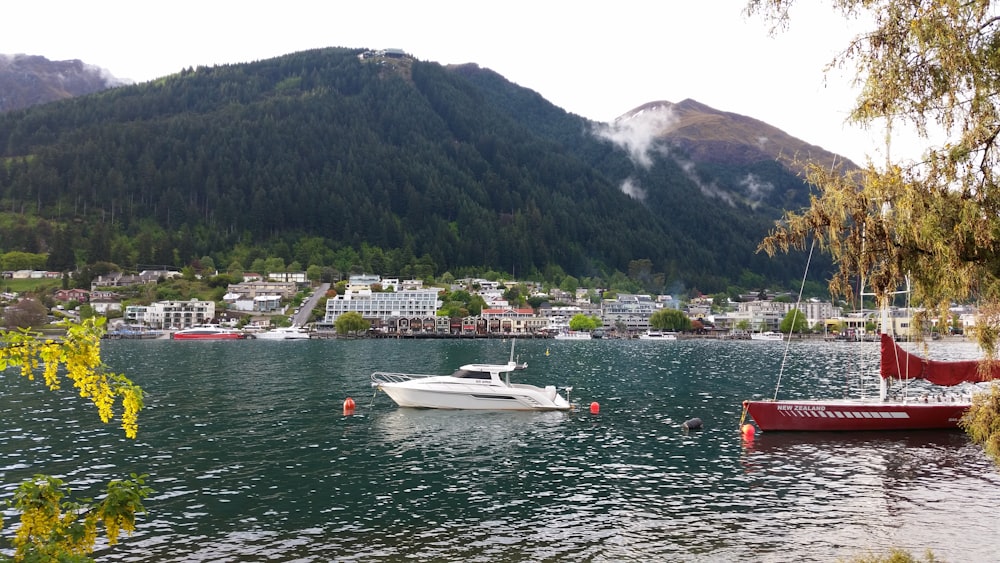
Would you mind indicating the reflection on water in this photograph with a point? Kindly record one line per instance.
(252, 459)
(899, 489)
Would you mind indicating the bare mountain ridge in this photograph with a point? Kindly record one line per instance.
(709, 135)
(28, 80)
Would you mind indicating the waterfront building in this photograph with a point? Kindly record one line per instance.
(171, 314)
(508, 320)
(383, 306)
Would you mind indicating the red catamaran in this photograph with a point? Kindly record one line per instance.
(926, 412)
(209, 332)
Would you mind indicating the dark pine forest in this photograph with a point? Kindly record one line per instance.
(376, 164)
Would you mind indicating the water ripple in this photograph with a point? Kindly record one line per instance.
(252, 459)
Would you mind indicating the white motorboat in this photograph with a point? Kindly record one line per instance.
(284, 333)
(573, 335)
(657, 335)
(473, 386)
(769, 335)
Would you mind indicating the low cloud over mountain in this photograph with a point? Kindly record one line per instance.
(28, 80)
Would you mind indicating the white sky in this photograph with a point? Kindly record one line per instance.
(595, 59)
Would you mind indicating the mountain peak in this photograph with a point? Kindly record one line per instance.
(715, 136)
(27, 80)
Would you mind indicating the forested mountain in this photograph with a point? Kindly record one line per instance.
(27, 80)
(355, 161)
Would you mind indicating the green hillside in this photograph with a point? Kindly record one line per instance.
(351, 163)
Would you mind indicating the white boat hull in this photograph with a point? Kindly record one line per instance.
(283, 335)
(471, 387)
(473, 396)
(767, 336)
(657, 336)
(573, 336)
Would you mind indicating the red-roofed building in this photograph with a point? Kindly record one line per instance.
(75, 294)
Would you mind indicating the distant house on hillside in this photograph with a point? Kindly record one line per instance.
(294, 277)
(104, 305)
(67, 295)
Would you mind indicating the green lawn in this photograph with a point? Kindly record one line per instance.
(29, 285)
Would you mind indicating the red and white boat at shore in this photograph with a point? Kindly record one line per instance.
(924, 412)
(209, 332)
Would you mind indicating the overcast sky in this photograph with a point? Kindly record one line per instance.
(595, 59)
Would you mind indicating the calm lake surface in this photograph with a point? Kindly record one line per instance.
(252, 458)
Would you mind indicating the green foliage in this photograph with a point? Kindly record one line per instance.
(670, 320)
(513, 295)
(319, 158)
(931, 225)
(982, 421)
(536, 301)
(794, 322)
(460, 303)
(51, 528)
(351, 323)
(581, 322)
(569, 284)
(23, 261)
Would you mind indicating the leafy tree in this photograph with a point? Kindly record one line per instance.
(351, 323)
(536, 301)
(456, 303)
(513, 295)
(670, 319)
(23, 261)
(931, 64)
(583, 322)
(314, 273)
(794, 321)
(52, 528)
(476, 304)
(273, 265)
(61, 257)
(87, 311)
(207, 265)
(569, 284)
(719, 302)
(259, 266)
(25, 314)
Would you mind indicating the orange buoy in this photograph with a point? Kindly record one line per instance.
(595, 408)
(748, 431)
(348, 406)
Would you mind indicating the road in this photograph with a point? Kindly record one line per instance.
(305, 311)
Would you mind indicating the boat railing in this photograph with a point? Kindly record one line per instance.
(381, 377)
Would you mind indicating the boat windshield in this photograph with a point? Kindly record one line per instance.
(467, 374)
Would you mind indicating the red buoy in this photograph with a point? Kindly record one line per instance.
(595, 408)
(748, 431)
(348, 406)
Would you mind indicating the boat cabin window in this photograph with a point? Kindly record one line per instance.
(471, 374)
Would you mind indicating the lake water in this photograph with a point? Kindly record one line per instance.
(252, 458)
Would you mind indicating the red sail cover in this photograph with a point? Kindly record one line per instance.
(901, 364)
